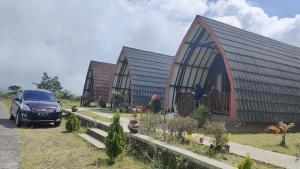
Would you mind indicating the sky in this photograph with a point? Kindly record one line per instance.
(60, 37)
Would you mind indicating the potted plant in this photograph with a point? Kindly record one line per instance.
(133, 126)
(74, 109)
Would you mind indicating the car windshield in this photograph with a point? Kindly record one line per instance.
(38, 96)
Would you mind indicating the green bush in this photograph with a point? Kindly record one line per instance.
(180, 126)
(246, 163)
(102, 103)
(201, 115)
(115, 140)
(73, 123)
(149, 123)
(217, 132)
(156, 157)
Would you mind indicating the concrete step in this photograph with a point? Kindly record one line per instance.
(97, 133)
(92, 140)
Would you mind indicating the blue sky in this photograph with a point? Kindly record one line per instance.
(281, 8)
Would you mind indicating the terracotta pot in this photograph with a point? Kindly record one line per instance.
(74, 109)
(133, 126)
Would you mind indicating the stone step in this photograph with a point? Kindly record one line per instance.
(97, 133)
(92, 140)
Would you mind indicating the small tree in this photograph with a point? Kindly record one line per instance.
(14, 88)
(117, 100)
(115, 140)
(155, 104)
(201, 115)
(280, 128)
(73, 123)
(50, 83)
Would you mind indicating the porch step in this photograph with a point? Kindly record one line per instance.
(97, 133)
(92, 140)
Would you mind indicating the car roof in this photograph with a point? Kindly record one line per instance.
(41, 90)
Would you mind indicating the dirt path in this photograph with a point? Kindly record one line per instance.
(9, 142)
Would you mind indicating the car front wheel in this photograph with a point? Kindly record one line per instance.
(18, 121)
(57, 124)
(11, 117)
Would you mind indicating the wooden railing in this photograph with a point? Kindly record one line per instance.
(185, 103)
(217, 102)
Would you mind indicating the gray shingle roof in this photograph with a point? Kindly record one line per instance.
(265, 72)
(148, 73)
(98, 82)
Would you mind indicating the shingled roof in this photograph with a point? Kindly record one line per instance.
(140, 74)
(98, 82)
(264, 74)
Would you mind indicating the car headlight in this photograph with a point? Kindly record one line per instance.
(24, 107)
(58, 109)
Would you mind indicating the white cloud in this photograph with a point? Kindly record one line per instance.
(60, 37)
(243, 15)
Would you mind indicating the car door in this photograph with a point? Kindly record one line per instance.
(15, 104)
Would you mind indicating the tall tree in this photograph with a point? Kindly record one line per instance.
(14, 88)
(49, 83)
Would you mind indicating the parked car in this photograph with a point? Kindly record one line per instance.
(35, 106)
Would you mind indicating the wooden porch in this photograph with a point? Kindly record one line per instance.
(216, 102)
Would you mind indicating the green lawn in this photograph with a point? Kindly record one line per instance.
(67, 104)
(6, 103)
(268, 141)
(95, 116)
(49, 147)
(107, 110)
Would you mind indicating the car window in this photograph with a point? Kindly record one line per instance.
(33, 95)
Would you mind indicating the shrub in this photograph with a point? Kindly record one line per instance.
(102, 103)
(117, 100)
(149, 123)
(201, 115)
(181, 126)
(155, 104)
(156, 157)
(115, 140)
(218, 133)
(246, 163)
(73, 123)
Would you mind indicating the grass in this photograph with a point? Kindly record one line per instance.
(95, 116)
(67, 104)
(269, 141)
(107, 110)
(48, 147)
(7, 103)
